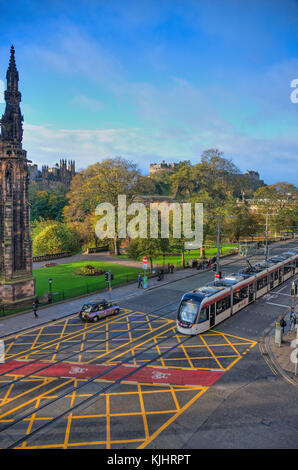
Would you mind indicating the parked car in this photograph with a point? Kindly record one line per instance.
(99, 308)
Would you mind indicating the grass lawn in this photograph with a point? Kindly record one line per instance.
(65, 279)
(193, 254)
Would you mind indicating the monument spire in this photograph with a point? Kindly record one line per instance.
(12, 119)
(17, 284)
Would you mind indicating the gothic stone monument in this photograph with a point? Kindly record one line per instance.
(17, 284)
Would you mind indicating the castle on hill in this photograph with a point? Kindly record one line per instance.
(61, 173)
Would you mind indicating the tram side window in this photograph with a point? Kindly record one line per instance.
(223, 305)
(275, 275)
(204, 315)
(287, 268)
(240, 295)
(261, 283)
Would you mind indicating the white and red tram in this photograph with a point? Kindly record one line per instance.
(207, 306)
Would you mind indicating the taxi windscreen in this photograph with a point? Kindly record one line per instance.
(87, 308)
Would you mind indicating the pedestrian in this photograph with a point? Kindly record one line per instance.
(35, 306)
(140, 281)
(172, 268)
(293, 320)
(283, 324)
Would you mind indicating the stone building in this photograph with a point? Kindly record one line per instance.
(159, 167)
(34, 172)
(62, 173)
(17, 283)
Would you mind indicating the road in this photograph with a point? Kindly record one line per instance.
(131, 381)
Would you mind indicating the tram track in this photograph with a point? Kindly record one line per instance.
(135, 341)
(21, 354)
(88, 400)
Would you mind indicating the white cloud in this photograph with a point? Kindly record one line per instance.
(90, 104)
(46, 144)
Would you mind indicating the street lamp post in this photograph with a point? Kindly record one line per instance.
(50, 289)
(218, 238)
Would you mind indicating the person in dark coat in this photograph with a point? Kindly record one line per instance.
(140, 281)
(35, 306)
(283, 324)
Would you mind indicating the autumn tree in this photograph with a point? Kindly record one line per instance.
(102, 183)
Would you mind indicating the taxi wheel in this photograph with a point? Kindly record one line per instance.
(95, 319)
(116, 311)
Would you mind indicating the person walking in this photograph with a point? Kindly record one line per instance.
(283, 324)
(293, 320)
(140, 281)
(35, 307)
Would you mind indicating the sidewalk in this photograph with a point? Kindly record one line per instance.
(282, 356)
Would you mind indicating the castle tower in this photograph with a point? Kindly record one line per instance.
(17, 283)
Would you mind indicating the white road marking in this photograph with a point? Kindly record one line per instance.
(278, 305)
(281, 293)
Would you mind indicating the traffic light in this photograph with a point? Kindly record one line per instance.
(107, 276)
(112, 277)
(214, 267)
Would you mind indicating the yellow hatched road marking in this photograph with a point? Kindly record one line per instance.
(91, 328)
(61, 336)
(126, 344)
(143, 412)
(35, 398)
(211, 352)
(31, 421)
(136, 346)
(44, 382)
(170, 421)
(108, 426)
(69, 418)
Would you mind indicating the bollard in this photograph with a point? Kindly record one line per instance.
(278, 334)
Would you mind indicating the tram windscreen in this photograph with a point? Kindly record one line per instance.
(188, 311)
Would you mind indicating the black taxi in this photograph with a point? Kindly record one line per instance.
(96, 309)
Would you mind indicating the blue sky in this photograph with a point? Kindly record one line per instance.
(157, 79)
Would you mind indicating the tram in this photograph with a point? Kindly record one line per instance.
(207, 306)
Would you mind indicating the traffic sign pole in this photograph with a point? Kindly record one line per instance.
(145, 269)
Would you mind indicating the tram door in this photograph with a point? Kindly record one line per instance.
(212, 315)
(271, 281)
(251, 293)
(280, 276)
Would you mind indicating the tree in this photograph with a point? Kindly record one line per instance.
(56, 237)
(242, 224)
(276, 197)
(102, 183)
(183, 181)
(46, 203)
